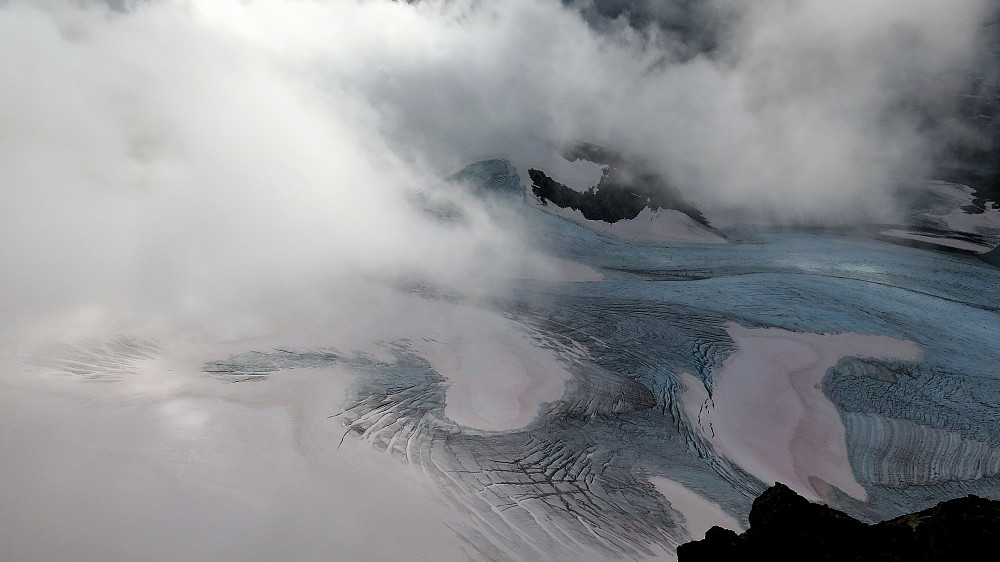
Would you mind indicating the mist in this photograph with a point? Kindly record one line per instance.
(222, 175)
(159, 166)
(176, 156)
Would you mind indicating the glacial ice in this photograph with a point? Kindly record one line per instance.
(584, 475)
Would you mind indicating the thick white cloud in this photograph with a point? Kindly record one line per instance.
(183, 154)
(204, 159)
(210, 170)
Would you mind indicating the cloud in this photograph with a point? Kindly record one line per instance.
(176, 155)
(193, 160)
(196, 469)
(225, 170)
(808, 109)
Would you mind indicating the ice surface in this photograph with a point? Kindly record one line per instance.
(767, 412)
(554, 419)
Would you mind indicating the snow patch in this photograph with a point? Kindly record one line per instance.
(767, 411)
(699, 513)
(956, 197)
(498, 377)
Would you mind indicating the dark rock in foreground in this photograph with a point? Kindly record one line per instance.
(786, 526)
(992, 257)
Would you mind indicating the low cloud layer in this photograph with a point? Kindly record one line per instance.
(807, 110)
(175, 156)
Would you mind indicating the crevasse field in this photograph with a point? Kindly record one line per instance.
(638, 395)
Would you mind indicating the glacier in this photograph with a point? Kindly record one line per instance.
(583, 476)
(621, 412)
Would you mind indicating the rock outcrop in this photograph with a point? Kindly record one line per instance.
(785, 526)
(624, 191)
(991, 257)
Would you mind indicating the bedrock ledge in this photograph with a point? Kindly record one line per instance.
(786, 526)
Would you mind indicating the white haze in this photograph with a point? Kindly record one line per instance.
(175, 157)
(226, 175)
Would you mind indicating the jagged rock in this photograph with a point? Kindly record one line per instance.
(785, 526)
(623, 192)
(991, 257)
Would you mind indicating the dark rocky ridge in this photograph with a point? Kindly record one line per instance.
(624, 190)
(992, 258)
(786, 526)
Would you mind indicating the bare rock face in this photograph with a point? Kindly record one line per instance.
(992, 258)
(625, 189)
(785, 526)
